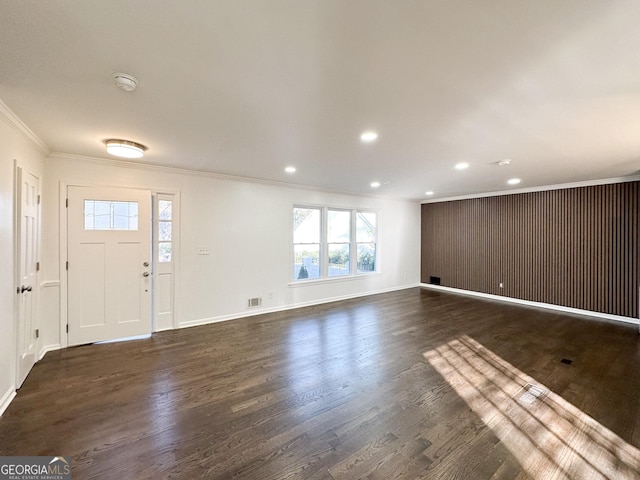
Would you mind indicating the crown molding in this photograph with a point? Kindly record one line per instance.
(13, 121)
(206, 173)
(542, 188)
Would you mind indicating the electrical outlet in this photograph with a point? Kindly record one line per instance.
(501, 285)
(204, 251)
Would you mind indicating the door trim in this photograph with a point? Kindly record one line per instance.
(176, 255)
(62, 256)
(63, 244)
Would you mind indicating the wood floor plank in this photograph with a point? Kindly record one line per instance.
(409, 384)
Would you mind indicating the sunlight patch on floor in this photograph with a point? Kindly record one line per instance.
(548, 436)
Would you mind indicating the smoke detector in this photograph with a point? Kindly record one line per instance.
(126, 82)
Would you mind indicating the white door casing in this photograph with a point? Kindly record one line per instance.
(27, 199)
(109, 271)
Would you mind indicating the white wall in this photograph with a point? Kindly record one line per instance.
(247, 227)
(14, 145)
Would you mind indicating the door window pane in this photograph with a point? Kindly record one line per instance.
(110, 215)
(164, 209)
(164, 231)
(164, 251)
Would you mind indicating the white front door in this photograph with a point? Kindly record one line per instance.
(27, 216)
(109, 255)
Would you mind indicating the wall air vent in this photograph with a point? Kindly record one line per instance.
(254, 302)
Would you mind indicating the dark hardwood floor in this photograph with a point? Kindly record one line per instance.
(409, 384)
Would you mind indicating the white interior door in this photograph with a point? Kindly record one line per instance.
(109, 255)
(27, 216)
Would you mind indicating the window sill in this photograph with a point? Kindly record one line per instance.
(321, 281)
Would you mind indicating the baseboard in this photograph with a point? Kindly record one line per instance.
(6, 399)
(282, 308)
(548, 306)
(10, 394)
(48, 348)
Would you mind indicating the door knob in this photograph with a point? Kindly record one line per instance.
(145, 274)
(25, 288)
(145, 264)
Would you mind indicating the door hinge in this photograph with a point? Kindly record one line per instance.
(67, 266)
(37, 266)
(67, 328)
(37, 333)
(67, 203)
(38, 199)
(18, 290)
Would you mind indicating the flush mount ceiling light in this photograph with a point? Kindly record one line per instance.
(504, 163)
(428, 193)
(513, 181)
(290, 169)
(125, 148)
(375, 184)
(462, 166)
(369, 136)
(126, 82)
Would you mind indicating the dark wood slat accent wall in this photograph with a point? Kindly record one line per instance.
(575, 247)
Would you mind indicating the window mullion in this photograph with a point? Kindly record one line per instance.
(324, 249)
(353, 246)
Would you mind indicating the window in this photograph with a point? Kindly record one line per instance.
(306, 243)
(110, 215)
(366, 241)
(165, 230)
(339, 242)
(331, 242)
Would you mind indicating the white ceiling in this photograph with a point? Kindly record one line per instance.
(248, 87)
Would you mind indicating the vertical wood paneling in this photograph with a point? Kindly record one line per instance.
(574, 247)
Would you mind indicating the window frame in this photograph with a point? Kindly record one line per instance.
(324, 245)
(132, 226)
(374, 242)
(327, 243)
(321, 252)
(159, 220)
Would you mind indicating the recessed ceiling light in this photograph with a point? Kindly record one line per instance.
(428, 193)
(375, 184)
(513, 181)
(125, 148)
(290, 169)
(369, 136)
(462, 165)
